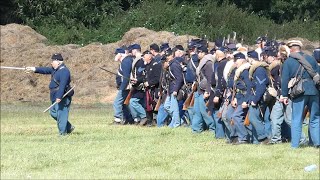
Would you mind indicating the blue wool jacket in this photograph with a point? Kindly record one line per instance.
(176, 78)
(243, 86)
(221, 83)
(289, 70)
(138, 72)
(230, 82)
(122, 79)
(191, 70)
(60, 80)
(260, 82)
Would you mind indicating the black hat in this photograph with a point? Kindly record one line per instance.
(253, 54)
(239, 56)
(164, 46)
(179, 47)
(202, 49)
(168, 52)
(154, 47)
(57, 56)
(146, 52)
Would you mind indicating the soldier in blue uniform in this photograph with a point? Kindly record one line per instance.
(151, 83)
(201, 118)
(175, 83)
(59, 85)
(258, 74)
(121, 111)
(228, 109)
(221, 87)
(190, 74)
(242, 97)
(137, 91)
(310, 97)
(162, 115)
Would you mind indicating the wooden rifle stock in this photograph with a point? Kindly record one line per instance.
(127, 100)
(246, 120)
(190, 100)
(156, 108)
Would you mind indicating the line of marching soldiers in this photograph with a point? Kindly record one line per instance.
(243, 96)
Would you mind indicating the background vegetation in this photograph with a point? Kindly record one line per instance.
(86, 21)
(32, 149)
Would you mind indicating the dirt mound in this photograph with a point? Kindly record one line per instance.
(22, 46)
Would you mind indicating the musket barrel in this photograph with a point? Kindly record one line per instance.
(16, 68)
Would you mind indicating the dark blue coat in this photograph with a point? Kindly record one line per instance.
(275, 74)
(60, 80)
(289, 70)
(122, 79)
(207, 71)
(176, 77)
(243, 87)
(260, 82)
(157, 58)
(221, 84)
(191, 68)
(138, 72)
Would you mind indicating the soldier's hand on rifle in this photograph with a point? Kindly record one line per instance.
(252, 103)
(206, 95)
(216, 100)
(234, 103)
(58, 100)
(146, 84)
(165, 65)
(30, 69)
(174, 93)
(133, 80)
(244, 105)
(284, 100)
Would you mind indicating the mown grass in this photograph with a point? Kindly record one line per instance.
(31, 149)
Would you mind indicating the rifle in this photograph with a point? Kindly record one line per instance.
(219, 115)
(62, 98)
(127, 100)
(234, 37)
(228, 39)
(247, 120)
(15, 68)
(156, 108)
(241, 39)
(114, 73)
(190, 100)
(224, 41)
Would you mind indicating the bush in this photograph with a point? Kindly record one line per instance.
(86, 21)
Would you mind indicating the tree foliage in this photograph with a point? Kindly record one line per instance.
(86, 21)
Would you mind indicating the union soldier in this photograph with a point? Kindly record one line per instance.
(201, 118)
(281, 114)
(151, 83)
(240, 103)
(219, 92)
(59, 85)
(162, 115)
(175, 83)
(121, 111)
(137, 76)
(258, 74)
(309, 97)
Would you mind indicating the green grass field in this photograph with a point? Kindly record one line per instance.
(32, 149)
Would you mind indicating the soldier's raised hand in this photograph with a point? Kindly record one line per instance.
(30, 69)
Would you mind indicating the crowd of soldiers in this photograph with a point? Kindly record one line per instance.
(239, 94)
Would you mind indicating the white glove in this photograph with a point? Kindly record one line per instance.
(30, 69)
